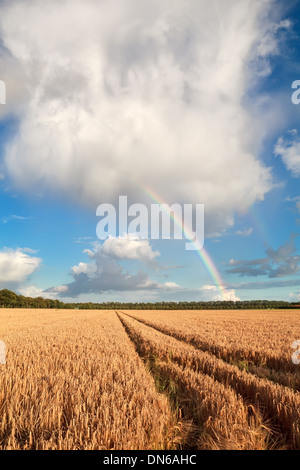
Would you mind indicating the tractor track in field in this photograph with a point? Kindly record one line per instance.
(254, 392)
(189, 431)
(251, 366)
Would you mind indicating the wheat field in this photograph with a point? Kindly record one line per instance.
(132, 380)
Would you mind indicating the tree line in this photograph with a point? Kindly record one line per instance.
(9, 299)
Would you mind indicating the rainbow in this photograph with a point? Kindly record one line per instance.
(200, 250)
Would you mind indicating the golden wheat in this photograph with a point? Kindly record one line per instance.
(221, 419)
(279, 404)
(260, 341)
(73, 381)
(189, 380)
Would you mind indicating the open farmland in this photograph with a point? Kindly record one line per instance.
(76, 379)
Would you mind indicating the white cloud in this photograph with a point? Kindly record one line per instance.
(230, 295)
(30, 291)
(103, 273)
(9, 218)
(60, 289)
(294, 296)
(30, 251)
(245, 232)
(138, 93)
(295, 199)
(212, 293)
(209, 287)
(170, 285)
(85, 268)
(289, 151)
(33, 291)
(16, 265)
(129, 248)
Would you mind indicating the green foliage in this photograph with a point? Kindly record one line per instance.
(9, 299)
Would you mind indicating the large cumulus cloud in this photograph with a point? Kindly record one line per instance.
(103, 273)
(113, 95)
(16, 266)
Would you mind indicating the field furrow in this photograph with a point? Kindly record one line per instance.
(279, 405)
(73, 380)
(106, 380)
(265, 352)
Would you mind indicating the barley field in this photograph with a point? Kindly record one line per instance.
(132, 380)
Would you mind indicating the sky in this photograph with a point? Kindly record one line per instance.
(187, 102)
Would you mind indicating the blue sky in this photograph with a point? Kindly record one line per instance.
(188, 99)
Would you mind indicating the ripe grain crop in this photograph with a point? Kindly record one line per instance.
(279, 405)
(219, 417)
(255, 340)
(73, 380)
(76, 379)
